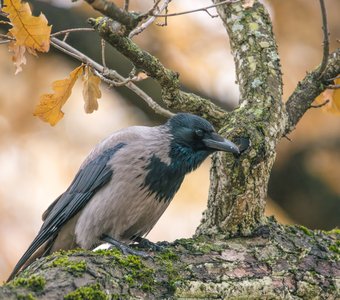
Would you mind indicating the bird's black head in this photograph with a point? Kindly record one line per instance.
(194, 138)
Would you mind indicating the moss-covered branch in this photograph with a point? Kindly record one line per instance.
(309, 88)
(116, 35)
(277, 262)
(111, 10)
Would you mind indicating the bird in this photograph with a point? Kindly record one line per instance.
(124, 186)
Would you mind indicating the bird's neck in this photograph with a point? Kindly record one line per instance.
(184, 159)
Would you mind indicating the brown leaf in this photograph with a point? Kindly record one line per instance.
(91, 90)
(29, 31)
(49, 108)
(18, 57)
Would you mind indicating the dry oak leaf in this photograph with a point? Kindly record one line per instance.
(18, 57)
(29, 31)
(333, 96)
(91, 90)
(49, 108)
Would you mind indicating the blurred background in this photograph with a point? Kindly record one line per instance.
(38, 162)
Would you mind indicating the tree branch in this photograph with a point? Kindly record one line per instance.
(204, 9)
(238, 189)
(111, 10)
(147, 23)
(175, 99)
(276, 262)
(309, 88)
(325, 38)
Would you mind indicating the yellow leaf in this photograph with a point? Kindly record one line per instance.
(333, 96)
(18, 57)
(91, 91)
(29, 31)
(49, 108)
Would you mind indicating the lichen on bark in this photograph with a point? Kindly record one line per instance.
(276, 262)
(239, 187)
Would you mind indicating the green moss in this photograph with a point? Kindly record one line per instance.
(139, 275)
(335, 247)
(74, 267)
(305, 230)
(167, 259)
(335, 231)
(107, 252)
(34, 283)
(90, 292)
(26, 297)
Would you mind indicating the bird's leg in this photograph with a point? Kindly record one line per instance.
(122, 247)
(145, 243)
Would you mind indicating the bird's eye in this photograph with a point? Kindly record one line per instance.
(199, 133)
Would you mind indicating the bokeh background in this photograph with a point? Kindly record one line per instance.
(37, 161)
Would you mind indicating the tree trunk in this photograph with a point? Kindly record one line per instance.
(276, 262)
(239, 188)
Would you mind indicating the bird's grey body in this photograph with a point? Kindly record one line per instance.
(125, 185)
(133, 211)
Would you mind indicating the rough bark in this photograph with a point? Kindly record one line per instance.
(238, 188)
(276, 262)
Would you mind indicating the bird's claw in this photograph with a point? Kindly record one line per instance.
(124, 248)
(146, 244)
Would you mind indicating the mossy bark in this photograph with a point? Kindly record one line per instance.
(276, 262)
(239, 187)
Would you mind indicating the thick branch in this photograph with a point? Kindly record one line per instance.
(309, 88)
(238, 188)
(289, 262)
(175, 99)
(111, 10)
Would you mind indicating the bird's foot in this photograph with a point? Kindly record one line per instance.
(146, 244)
(122, 247)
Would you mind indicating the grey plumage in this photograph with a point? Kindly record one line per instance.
(125, 185)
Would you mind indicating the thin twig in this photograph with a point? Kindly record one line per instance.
(333, 86)
(320, 105)
(334, 78)
(66, 36)
(196, 10)
(325, 38)
(112, 82)
(286, 137)
(102, 43)
(126, 5)
(165, 23)
(71, 30)
(148, 22)
(110, 74)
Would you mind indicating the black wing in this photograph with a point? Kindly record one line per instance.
(86, 183)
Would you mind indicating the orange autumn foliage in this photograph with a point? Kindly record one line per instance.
(49, 108)
(29, 31)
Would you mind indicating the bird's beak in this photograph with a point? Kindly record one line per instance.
(216, 142)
